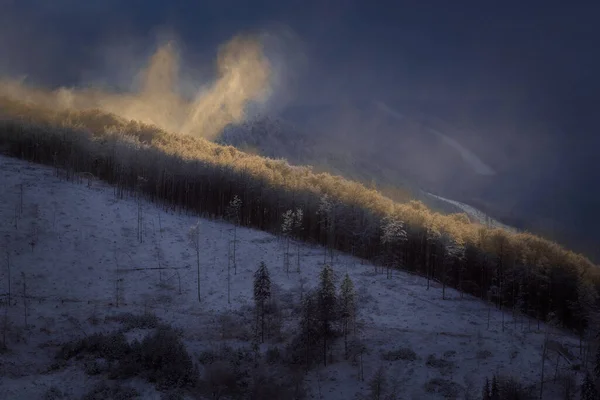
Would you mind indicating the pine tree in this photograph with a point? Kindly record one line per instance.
(597, 365)
(327, 302)
(486, 395)
(262, 294)
(378, 384)
(309, 324)
(495, 392)
(347, 308)
(588, 390)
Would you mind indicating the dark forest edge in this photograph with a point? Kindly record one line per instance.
(520, 272)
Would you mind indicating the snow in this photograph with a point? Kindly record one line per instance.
(82, 235)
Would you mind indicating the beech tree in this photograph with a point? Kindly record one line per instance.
(183, 173)
(393, 237)
(327, 215)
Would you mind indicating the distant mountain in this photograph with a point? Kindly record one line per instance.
(407, 151)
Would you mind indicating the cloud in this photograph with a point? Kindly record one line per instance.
(470, 158)
(243, 76)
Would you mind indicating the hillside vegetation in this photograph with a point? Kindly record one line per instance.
(519, 271)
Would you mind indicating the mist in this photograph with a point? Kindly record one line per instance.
(511, 87)
(243, 76)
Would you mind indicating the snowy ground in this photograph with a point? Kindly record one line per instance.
(70, 243)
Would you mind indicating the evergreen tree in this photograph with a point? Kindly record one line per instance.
(495, 392)
(486, 395)
(588, 389)
(378, 384)
(347, 308)
(309, 324)
(327, 302)
(262, 294)
(597, 365)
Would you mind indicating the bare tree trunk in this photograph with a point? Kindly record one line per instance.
(9, 282)
(198, 265)
(25, 311)
(543, 362)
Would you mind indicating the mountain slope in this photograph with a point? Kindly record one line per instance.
(76, 251)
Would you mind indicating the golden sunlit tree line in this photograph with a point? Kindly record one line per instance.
(520, 272)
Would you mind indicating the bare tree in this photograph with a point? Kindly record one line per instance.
(347, 300)
(194, 239)
(233, 214)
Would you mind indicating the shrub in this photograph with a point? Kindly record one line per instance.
(111, 347)
(54, 393)
(222, 381)
(512, 389)
(445, 366)
(444, 387)
(131, 321)
(161, 358)
(104, 391)
(484, 354)
(273, 355)
(404, 353)
(269, 384)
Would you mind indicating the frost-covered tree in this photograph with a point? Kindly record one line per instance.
(194, 239)
(233, 215)
(262, 294)
(298, 220)
(327, 308)
(327, 219)
(584, 308)
(347, 303)
(393, 236)
(291, 225)
(453, 253)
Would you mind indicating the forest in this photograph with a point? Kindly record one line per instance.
(518, 272)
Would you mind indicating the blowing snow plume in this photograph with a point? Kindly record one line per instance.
(243, 76)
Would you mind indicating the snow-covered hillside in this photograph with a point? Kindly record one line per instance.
(74, 257)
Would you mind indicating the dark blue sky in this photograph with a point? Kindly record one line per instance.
(436, 46)
(529, 64)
